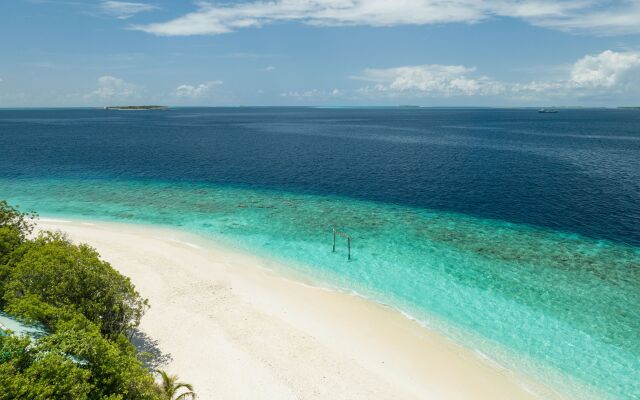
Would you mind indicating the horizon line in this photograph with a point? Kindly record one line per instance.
(320, 106)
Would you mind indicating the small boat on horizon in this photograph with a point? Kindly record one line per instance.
(548, 111)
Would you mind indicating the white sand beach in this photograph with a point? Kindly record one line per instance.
(236, 327)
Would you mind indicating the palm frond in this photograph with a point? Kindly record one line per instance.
(170, 387)
(186, 396)
(180, 385)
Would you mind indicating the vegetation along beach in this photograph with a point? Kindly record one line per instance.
(319, 199)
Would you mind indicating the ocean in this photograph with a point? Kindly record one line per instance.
(513, 232)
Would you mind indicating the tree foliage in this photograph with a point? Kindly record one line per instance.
(15, 226)
(87, 308)
(54, 271)
(12, 217)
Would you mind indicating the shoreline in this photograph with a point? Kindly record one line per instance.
(246, 330)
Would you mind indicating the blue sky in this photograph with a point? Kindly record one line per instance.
(320, 52)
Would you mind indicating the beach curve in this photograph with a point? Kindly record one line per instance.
(236, 328)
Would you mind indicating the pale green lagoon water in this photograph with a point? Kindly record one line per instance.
(562, 307)
(19, 328)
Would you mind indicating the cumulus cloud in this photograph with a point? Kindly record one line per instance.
(429, 80)
(197, 91)
(218, 18)
(110, 87)
(604, 70)
(598, 74)
(125, 10)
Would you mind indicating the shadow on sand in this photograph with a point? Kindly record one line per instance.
(149, 351)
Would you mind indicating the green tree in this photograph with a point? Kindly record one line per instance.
(10, 239)
(170, 388)
(29, 373)
(15, 226)
(87, 308)
(73, 362)
(58, 273)
(113, 364)
(21, 221)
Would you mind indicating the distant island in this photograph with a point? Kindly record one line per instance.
(136, 108)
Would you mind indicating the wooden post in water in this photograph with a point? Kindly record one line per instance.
(334, 240)
(349, 247)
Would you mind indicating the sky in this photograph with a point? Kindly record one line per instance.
(86, 53)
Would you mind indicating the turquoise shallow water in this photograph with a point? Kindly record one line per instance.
(560, 306)
(18, 327)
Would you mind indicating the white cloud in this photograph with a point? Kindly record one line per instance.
(598, 74)
(620, 16)
(125, 10)
(296, 94)
(313, 94)
(110, 87)
(270, 68)
(615, 17)
(198, 91)
(429, 80)
(605, 70)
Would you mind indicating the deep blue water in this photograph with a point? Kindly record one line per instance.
(577, 171)
(513, 232)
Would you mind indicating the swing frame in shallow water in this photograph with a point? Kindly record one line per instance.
(344, 235)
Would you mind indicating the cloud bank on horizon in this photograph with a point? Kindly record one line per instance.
(599, 74)
(592, 74)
